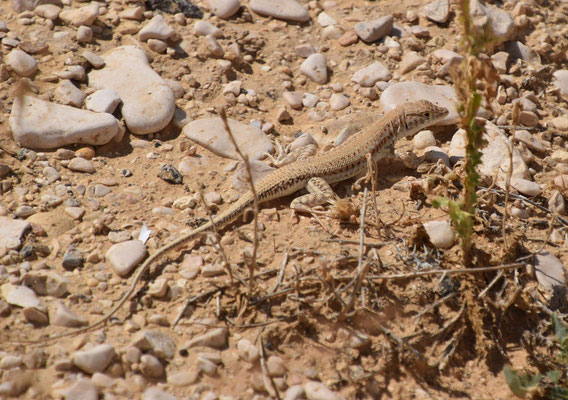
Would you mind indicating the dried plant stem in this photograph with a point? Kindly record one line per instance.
(252, 261)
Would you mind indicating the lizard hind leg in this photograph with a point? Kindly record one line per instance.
(319, 193)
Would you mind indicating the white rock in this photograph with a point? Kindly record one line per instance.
(65, 317)
(204, 28)
(440, 95)
(95, 359)
(21, 63)
(9, 361)
(94, 59)
(324, 19)
(148, 102)
(495, 158)
(338, 101)
(447, 56)
(158, 46)
(150, 366)
(437, 11)
(423, 139)
(549, 270)
(282, 9)
(124, 256)
(68, 94)
(48, 11)
(525, 186)
(12, 232)
(318, 391)
(295, 392)
(248, 351)
(154, 393)
(84, 34)
(527, 138)
(210, 133)
(81, 164)
(371, 74)
(500, 23)
(43, 125)
(215, 338)
(275, 366)
(159, 343)
(75, 72)
(224, 8)
(440, 233)
(370, 31)
(102, 101)
(309, 100)
(315, 68)
(157, 28)
(561, 81)
(83, 389)
(410, 61)
(293, 99)
(21, 296)
(85, 15)
(518, 50)
(182, 378)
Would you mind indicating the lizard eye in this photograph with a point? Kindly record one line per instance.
(427, 115)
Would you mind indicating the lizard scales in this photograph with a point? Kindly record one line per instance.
(343, 162)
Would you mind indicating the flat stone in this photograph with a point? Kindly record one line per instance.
(437, 11)
(124, 256)
(549, 270)
(289, 10)
(159, 343)
(95, 359)
(102, 101)
(259, 170)
(560, 123)
(48, 11)
(215, 338)
(183, 378)
(318, 391)
(410, 61)
(371, 74)
(518, 50)
(94, 59)
(65, 317)
(423, 139)
(157, 28)
(499, 22)
(40, 124)
(47, 283)
(561, 81)
(293, 99)
(12, 232)
(495, 158)
(224, 8)
(371, 31)
(440, 95)
(525, 186)
(148, 102)
(83, 389)
(324, 19)
(85, 15)
(210, 133)
(9, 361)
(446, 56)
(80, 164)
(440, 233)
(21, 63)
(21, 296)
(69, 94)
(204, 28)
(529, 140)
(315, 68)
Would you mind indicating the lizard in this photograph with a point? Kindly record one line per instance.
(315, 173)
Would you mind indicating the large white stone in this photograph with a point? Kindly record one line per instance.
(499, 22)
(371, 74)
(43, 125)
(148, 102)
(224, 8)
(85, 15)
(124, 256)
(12, 231)
(315, 68)
(157, 28)
(403, 92)
(282, 9)
(95, 359)
(21, 296)
(561, 81)
(21, 63)
(211, 134)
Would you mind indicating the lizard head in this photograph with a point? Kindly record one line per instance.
(421, 114)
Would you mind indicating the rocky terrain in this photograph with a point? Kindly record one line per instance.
(111, 146)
